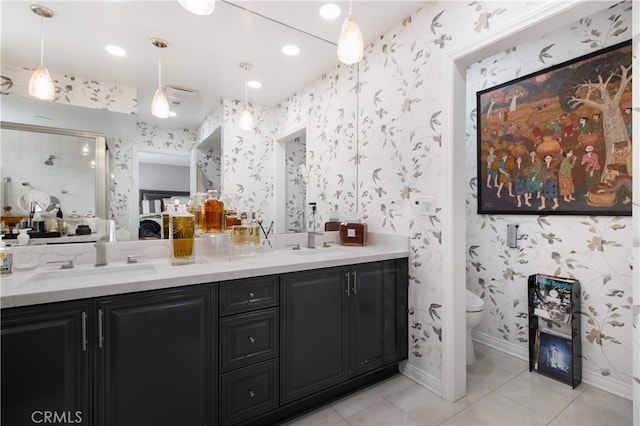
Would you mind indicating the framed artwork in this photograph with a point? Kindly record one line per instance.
(558, 141)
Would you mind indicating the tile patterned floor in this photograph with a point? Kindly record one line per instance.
(501, 391)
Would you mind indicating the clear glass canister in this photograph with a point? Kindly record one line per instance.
(182, 231)
(246, 234)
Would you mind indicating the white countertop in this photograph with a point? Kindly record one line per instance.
(48, 283)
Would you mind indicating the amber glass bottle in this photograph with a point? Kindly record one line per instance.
(213, 209)
(353, 233)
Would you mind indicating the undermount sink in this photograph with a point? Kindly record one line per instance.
(323, 252)
(84, 276)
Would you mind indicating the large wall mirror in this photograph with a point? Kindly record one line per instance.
(256, 33)
(67, 167)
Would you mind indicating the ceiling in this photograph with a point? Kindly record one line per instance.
(204, 52)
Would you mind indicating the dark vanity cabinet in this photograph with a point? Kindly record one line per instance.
(314, 331)
(154, 358)
(46, 361)
(378, 314)
(248, 351)
(341, 322)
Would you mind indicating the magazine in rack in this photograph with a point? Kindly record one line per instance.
(552, 298)
(554, 356)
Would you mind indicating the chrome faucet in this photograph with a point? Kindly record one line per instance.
(311, 238)
(101, 252)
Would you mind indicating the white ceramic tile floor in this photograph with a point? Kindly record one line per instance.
(500, 391)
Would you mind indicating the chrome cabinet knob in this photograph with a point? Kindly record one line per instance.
(251, 339)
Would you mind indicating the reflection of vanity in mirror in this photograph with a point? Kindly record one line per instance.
(65, 169)
(276, 170)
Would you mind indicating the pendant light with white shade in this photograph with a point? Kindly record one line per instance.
(199, 7)
(350, 43)
(160, 104)
(246, 119)
(40, 83)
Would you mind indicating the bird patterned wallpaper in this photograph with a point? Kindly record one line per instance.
(375, 140)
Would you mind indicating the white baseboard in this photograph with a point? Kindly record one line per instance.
(424, 379)
(590, 378)
(500, 345)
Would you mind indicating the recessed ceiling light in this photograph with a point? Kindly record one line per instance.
(254, 84)
(115, 50)
(172, 114)
(290, 50)
(330, 11)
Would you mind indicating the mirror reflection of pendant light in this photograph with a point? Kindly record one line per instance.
(199, 7)
(350, 44)
(246, 119)
(160, 104)
(40, 83)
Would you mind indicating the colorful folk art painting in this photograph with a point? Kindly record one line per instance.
(559, 141)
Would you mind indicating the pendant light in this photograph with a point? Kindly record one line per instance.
(246, 119)
(40, 83)
(350, 44)
(199, 7)
(159, 104)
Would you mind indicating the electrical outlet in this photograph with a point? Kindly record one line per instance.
(424, 206)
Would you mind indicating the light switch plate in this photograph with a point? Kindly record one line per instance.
(424, 206)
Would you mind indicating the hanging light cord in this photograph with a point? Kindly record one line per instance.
(350, 4)
(159, 73)
(246, 104)
(41, 41)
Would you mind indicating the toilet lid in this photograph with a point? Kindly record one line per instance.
(474, 303)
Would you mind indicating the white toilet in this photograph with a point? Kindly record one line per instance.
(475, 312)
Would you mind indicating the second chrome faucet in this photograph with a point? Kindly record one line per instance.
(101, 252)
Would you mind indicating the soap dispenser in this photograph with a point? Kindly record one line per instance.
(23, 236)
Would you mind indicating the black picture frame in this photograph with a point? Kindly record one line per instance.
(551, 143)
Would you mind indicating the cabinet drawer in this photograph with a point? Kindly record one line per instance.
(248, 392)
(248, 338)
(248, 294)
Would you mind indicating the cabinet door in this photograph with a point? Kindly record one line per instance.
(314, 326)
(377, 314)
(155, 358)
(45, 364)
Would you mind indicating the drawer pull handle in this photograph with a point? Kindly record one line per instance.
(251, 393)
(100, 335)
(84, 331)
(251, 339)
(251, 295)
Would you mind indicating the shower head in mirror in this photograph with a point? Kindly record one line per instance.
(49, 161)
